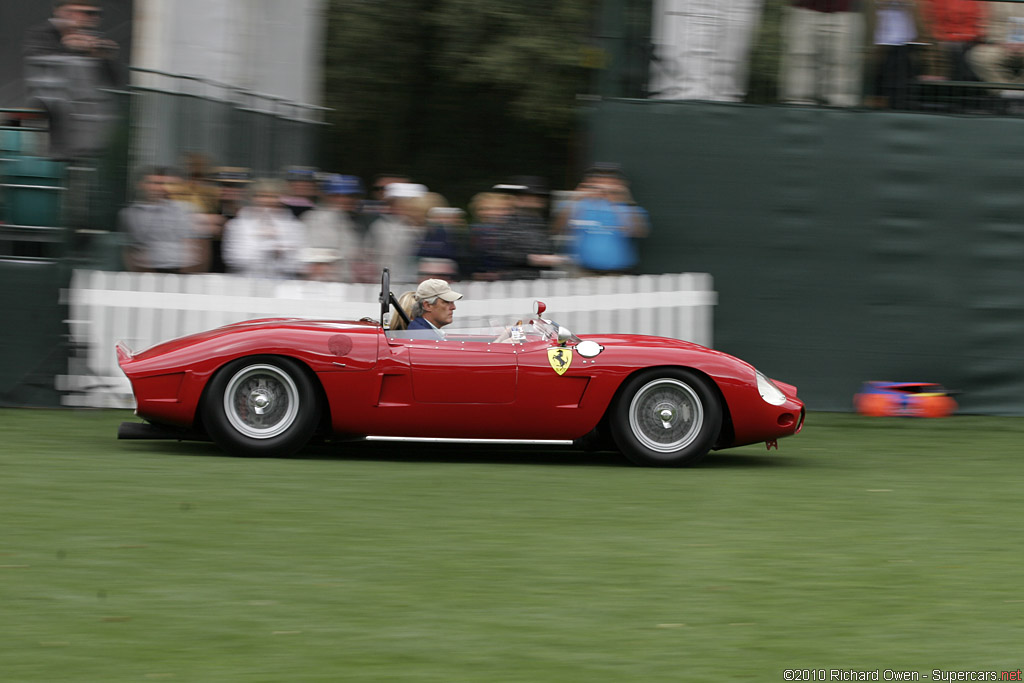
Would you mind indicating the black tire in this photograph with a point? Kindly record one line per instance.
(666, 418)
(261, 406)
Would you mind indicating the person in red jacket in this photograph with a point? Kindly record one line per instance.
(1000, 58)
(956, 26)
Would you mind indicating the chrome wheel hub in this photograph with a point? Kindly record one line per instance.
(667, 413)
(260, 402)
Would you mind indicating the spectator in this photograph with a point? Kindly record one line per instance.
(486, 246)
(393, 238)
(956, 25)
(702, 49)
(376, 205)
(161, 232)
(355, 205)
(1000, 59)
(334, 241)
(896, 30)
(526, 232)
(68, 63)
(302, 190)
(439, 247)
(822, 52)
(604, 223)
(198, 188)
(231, 185)
(265, 239)
(380, 184)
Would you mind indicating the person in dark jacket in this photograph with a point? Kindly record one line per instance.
(68, 65)
(526, 232)
(74, 30)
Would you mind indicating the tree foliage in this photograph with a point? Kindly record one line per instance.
(451, 90)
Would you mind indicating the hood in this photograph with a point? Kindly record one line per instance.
(646, 342)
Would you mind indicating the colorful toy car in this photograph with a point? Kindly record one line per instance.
(904, 399)
(266, 387)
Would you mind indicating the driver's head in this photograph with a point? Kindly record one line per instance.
(437, 301)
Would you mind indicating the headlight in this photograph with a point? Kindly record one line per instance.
(769, 392)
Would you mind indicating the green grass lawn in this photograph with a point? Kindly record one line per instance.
(861, 544)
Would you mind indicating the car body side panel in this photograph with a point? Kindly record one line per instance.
(462, 372)
(471, 401)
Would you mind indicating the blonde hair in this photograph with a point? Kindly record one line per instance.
(433, 200)
(485, 200)
(416, 208)
(408, 302)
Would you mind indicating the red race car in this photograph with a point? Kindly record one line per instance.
(266, 387)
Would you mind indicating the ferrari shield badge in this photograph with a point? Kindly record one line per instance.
(560, 359)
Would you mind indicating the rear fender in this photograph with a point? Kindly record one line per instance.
(325, 413)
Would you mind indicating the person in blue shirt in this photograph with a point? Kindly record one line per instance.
(434, 307)
(604, 223)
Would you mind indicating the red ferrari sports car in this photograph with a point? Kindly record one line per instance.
(266, 387)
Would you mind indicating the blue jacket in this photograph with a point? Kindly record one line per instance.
(421, 324)
(600, 234)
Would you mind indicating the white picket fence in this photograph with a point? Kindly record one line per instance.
(144, 309)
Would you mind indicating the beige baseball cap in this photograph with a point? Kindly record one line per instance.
(433, 287)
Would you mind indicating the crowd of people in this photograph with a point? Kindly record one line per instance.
(326, 226)
(842, 53)
(329, 227)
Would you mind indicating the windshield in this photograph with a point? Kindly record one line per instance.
(518, 332)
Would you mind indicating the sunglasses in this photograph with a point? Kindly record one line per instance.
(87, 11)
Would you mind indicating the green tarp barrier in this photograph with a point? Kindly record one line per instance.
(32, 349)
(845, 245)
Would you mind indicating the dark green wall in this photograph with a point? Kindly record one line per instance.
(846, 245)
(33, 349)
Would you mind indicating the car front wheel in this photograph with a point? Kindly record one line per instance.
(262, 406)
(666, 418)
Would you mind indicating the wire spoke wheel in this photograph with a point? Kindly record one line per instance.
(666, 415)
(262, 406)
(261, 401)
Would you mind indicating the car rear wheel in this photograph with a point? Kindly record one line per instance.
(666, 418)
(262, 406)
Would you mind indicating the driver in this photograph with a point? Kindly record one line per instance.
(434, 307)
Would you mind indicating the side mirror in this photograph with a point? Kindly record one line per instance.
(564, 334)
(538, 308)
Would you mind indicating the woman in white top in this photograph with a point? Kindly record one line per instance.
(265, 239)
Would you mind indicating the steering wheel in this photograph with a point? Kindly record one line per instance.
(506, 334)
